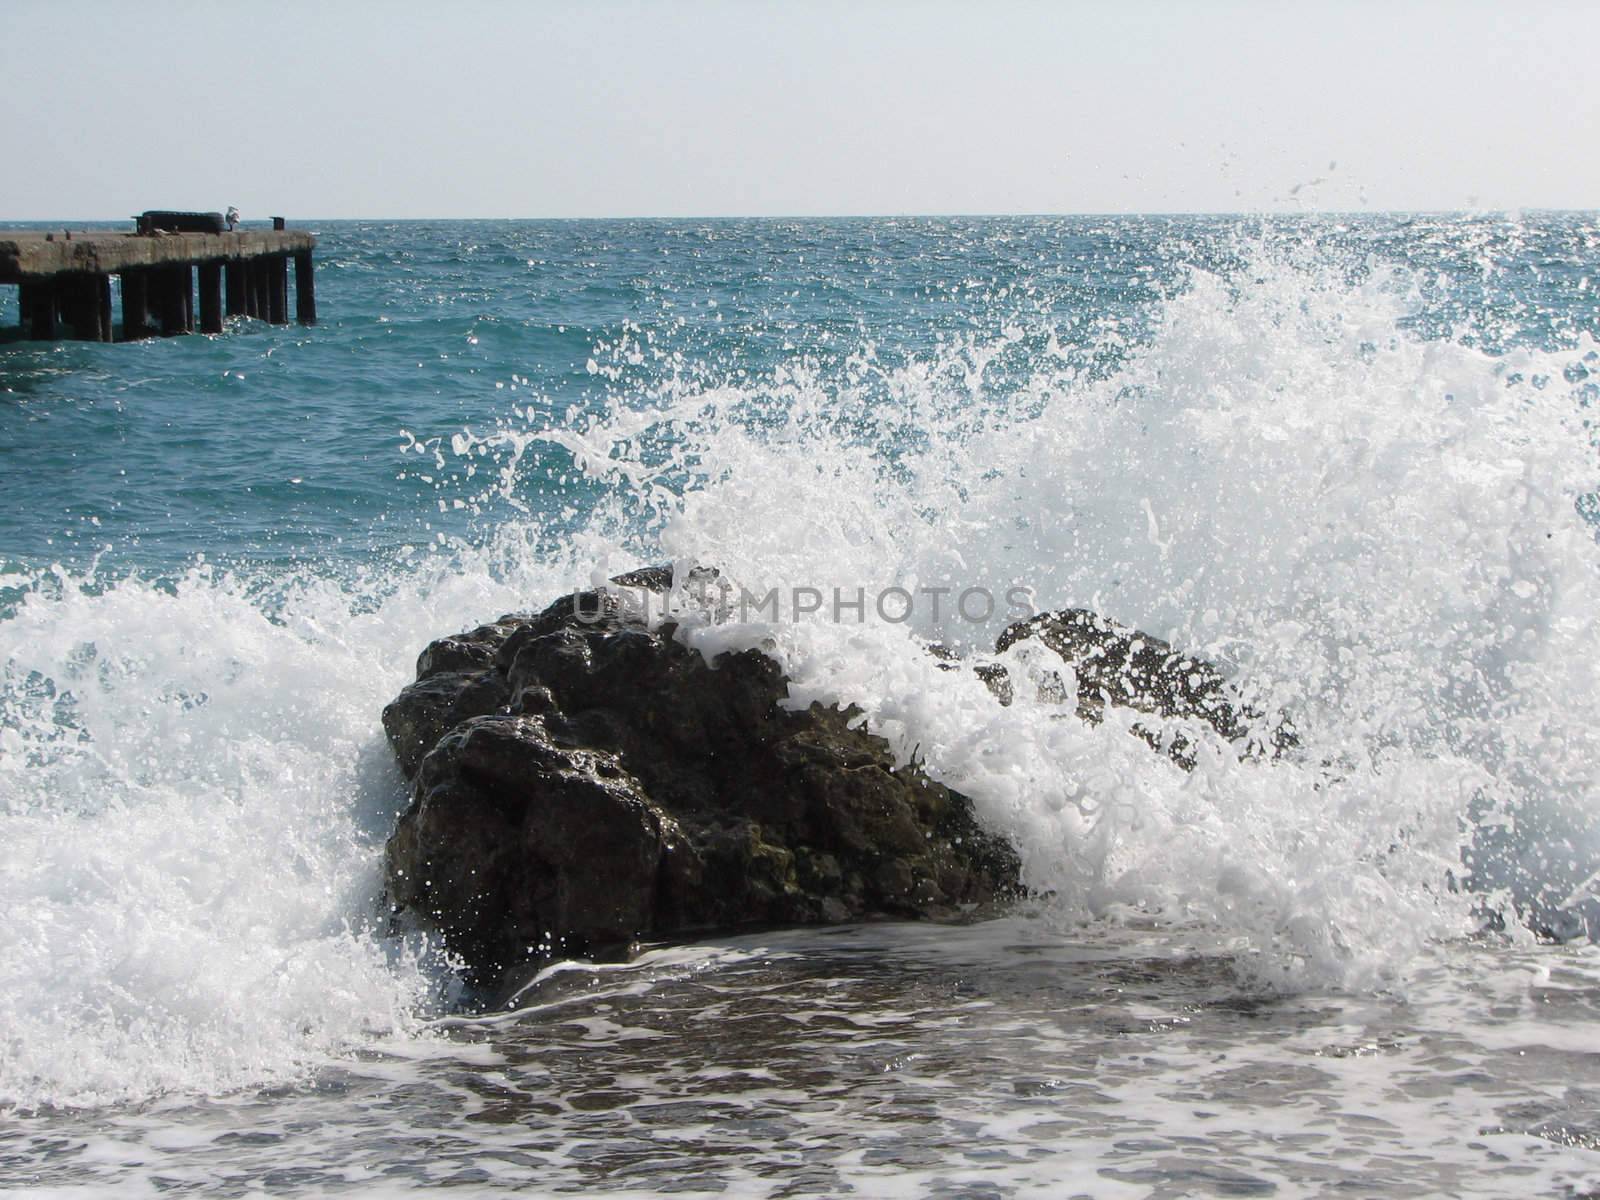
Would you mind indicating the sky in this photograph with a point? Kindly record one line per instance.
(743, 107)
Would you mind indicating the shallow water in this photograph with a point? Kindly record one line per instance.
(1351, 460)
(996, 1059)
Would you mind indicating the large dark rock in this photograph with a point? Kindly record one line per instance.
(581, 781)
(1120, 666)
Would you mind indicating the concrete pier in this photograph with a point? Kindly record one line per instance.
(65, 280)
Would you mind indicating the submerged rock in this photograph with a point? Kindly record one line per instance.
(581, 781)
(1119, 666)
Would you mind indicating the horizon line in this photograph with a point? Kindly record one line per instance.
(893, 216)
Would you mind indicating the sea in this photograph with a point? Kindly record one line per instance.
(1349, 459)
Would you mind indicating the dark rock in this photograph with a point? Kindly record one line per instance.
(582, 781)
(1121, 666)
(465, 651)
(994, 676)
(659, 578)
(453, 683)
(650, 579)
(435, 704)
(517, 847)
(996, 679)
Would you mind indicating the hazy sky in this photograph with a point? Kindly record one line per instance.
(607, 108)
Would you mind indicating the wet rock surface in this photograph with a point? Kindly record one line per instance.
(581, 781)
(1116, 665)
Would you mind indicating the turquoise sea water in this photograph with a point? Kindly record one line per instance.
(282, 445)
(1351, 459)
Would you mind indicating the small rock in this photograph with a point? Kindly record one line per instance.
(1120, 666)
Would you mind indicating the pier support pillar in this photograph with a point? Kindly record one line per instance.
(210, 297)
(73, 306)
(102, 297)
(174, 299)
(44, 311)
(135, 305)
(86, 304)
(278, 289)
(305, 289)
(235, 273)
(159, 292)
(258, 288)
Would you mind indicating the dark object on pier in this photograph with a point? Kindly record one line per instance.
(66, 281)
(581, 781)
(157, 220)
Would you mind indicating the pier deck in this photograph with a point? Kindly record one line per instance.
(26, 255)
(65, 280)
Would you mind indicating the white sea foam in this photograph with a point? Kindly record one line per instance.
(194, 793)
(1376, 533)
